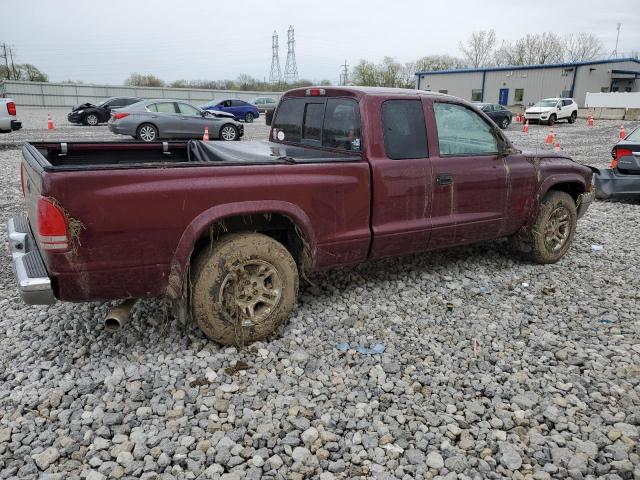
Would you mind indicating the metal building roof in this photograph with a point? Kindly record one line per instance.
(528, 67)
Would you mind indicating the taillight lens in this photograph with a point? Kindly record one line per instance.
(315, 92)
(118, 116)
(11, 108)
(53, 231)
(618, 154)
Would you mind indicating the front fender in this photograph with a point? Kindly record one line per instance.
(200, 225)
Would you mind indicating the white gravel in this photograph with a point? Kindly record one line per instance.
(552, 390)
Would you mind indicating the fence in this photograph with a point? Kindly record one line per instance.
(613, 100)
(67, 95)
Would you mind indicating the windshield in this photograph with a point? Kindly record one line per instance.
(635, 135)
(546, 103)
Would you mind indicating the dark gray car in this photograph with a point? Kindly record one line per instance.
(152, 120)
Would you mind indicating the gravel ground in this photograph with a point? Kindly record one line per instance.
(492, 368)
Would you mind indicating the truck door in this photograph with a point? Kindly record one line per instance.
(470, 177)
(401, 171)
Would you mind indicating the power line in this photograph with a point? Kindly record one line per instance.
(291, 69)
(276, 75)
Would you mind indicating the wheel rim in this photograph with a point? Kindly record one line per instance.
(250, 292)
(228, 133)
(248, 118)
(147, 133)
(557, 229)
(92, 120)
(505, 123)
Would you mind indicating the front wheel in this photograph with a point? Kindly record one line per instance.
(228, 133)
(147, 132)
(552, 120)
(504, 123)
(243, 289)
(248, 117)
(91, 120)
(554, 228)
(572, 118)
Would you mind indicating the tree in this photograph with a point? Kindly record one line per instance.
(139, 80)
(478, 49)
(364, 73)
(179, 84)
(432, 63)
(531, 49)
(579, 47)
(29, 72)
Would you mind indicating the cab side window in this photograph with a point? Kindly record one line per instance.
(405, 133)
(462, 131)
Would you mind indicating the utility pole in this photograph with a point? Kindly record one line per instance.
(615, 51)
(6, 61)
(344, 75)
(13, 67)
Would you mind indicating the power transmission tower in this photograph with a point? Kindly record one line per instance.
(291, 69)
(276, 75)
(344, 75)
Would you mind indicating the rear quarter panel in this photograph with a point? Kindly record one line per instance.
(138, 222)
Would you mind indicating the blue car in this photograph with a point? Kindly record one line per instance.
(241, 110)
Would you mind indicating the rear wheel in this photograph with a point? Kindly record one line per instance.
(147, 132)
(243, 289)
(552, 120)
(248, 117)
(228, 132)
(92, 120)
(572, 118)
(553, 230)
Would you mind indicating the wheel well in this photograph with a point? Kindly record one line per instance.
(148, 123)
(573, 189)
(275, 225)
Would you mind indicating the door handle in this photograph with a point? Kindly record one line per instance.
(444, 179)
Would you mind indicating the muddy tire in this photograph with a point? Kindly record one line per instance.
(243, 288)
(554, 228)
(552, 120)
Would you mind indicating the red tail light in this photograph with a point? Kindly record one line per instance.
(53, 231)
(118, 116)
(11, 108)
(315, 92)
(619, 153)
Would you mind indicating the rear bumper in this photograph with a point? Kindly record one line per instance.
(33, 281)
(16, 125)
(609, 184)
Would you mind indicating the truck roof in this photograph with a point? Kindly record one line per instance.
(361, 91)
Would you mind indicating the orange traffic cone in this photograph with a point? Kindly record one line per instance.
(525, 127)
(622, 132)
(205, 137)
(590, 121)
(549, 140)
(557, 147)
(50, 122)
(518, 119)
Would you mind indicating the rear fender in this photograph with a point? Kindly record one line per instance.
(200, 226)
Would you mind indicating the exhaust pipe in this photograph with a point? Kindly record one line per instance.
(117, 317)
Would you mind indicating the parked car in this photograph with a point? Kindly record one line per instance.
(500, 114)
(550, 110)
(240, 109)
(153, 120)
(92, 115)
(225, 229)
(8, 116)
(265, 104)
(622, 179)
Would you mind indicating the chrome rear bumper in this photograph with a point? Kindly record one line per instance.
(31, 274)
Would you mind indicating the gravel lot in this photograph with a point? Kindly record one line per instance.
(551, 389)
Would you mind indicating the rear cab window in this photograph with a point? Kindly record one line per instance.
(332, 122)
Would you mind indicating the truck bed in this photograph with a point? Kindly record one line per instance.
(62, 156)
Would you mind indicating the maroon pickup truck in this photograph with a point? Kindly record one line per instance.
(225, 230)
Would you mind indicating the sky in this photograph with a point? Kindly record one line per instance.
(105, 41)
